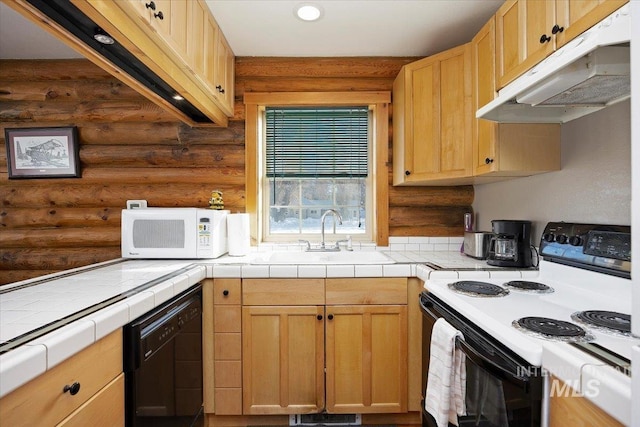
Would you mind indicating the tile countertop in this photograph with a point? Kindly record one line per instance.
(142, 285)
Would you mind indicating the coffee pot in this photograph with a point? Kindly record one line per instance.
(510, 245)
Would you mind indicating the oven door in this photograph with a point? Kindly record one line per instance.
(501, 389)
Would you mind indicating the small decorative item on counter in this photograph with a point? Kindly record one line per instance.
(216, 202)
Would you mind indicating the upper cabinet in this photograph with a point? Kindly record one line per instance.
(504, 150)
(432, 119)
(170, 51)
(186, 31)
(527, 31)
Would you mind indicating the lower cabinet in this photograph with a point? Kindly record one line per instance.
(570, 408)
(283, 361)
(95, 374)
(314, 345)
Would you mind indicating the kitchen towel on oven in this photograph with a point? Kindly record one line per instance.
(446, 379)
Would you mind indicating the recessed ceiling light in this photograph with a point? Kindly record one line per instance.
(102, 37)
(308, 12)
(178, 97)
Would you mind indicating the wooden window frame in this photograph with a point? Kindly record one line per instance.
(379, 104)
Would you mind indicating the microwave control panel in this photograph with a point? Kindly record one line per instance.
(204, 233)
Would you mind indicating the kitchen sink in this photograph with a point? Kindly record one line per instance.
(342, 257)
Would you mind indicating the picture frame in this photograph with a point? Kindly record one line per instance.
(51, 152)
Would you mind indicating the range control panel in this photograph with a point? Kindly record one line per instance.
(603, 248)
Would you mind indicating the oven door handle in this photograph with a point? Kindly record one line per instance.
(489, 365)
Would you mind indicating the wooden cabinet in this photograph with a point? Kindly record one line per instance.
(99, 399)
(286, 352)
(283, 359)
(176, 40)
(227, 348)
(570, 408)
(432, 119)
(577, 16)
(503, 150)
(529, 30)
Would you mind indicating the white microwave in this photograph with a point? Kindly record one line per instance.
(188, 233)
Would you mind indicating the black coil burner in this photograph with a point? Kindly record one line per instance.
(605, 320)
(552, 328)
(478, 289)
(523, 285)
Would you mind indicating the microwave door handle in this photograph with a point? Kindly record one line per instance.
(490, 365)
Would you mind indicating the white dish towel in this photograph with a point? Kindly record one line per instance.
(446, 380)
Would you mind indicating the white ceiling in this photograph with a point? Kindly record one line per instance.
(269, 28)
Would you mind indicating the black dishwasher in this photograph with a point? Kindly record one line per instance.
(163, 364)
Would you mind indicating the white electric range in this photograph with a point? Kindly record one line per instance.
(584, 273)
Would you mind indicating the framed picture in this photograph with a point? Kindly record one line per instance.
(42, 152)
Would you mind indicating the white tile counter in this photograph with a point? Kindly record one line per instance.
(147, 284)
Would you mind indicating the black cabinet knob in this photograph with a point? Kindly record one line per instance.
(225, 292)
(150, 5)
(407, 173)
(488, 160)
(330, 317)
(220, 89)
(73, 389)
(319, 316)
(544, 39)
(159, 15)
(557, 29)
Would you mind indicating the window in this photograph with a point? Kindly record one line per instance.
(316, 158)
(286, 200)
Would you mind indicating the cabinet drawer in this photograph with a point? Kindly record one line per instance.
(227, 291)
(367, 291)
(227, 318)
(105, 409)
(228, 401)
(283, 292)
(227, 347)
(228, 373)
(42, 400)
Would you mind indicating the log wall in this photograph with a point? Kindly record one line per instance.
(131, 149)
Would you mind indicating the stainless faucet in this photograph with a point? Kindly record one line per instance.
(336, 214)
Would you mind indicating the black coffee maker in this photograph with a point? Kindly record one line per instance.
(511, 244)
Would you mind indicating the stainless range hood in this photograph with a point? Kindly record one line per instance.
(584, 76)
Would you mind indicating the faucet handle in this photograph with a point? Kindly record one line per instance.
(306, 242)
(347, 241)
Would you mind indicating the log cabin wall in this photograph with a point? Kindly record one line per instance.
(132, 149)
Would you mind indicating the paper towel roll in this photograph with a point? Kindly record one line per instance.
(239, 234)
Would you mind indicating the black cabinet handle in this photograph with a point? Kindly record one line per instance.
(73, 389)
(159, 15)
(150, 5)
(225, 292)
(557, 29)
(544, 39)
(488, 160)
(407, 173)
(220, 89)
(319, 316)
(330, 317)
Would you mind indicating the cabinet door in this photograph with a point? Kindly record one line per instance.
(104, 409)
(520, 28)
(224, 74)
(283, 359)
(432, 131)
(577, 16)
(484, 83)
(455, 113)
(422, 107)
(366, 358)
